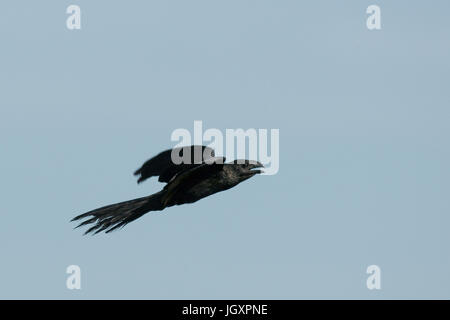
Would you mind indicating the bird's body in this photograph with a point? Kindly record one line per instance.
(186, 183)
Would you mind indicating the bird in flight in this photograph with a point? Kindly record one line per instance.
(198, 175)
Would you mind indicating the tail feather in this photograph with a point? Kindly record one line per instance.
(117, 215)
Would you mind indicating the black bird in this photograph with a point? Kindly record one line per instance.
(198, 176)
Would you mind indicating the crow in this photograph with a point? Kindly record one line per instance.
(198, 175)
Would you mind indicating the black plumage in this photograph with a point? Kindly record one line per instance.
(162, 165)
(201, 175)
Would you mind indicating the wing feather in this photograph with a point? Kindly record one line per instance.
(162, 166)
(189, 178)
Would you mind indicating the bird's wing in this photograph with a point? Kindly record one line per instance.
(162, 165)
(188, 178)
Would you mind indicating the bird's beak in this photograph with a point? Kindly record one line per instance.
(256, 165)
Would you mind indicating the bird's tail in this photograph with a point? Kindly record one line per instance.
(118, 215)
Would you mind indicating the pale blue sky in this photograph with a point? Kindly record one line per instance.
(364, 159)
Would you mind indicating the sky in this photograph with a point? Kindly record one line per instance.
(363, 119)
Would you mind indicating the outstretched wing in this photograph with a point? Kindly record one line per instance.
(185, 180)
(163, 166)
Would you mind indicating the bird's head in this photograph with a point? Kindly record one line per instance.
(247, 168)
